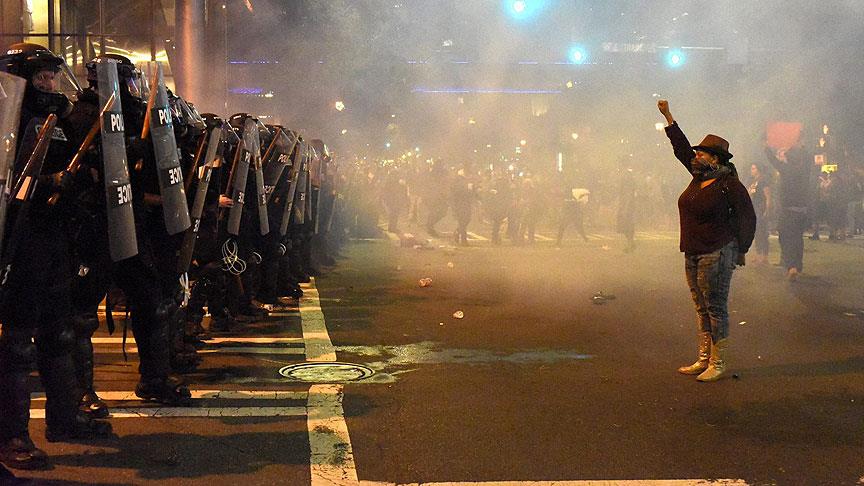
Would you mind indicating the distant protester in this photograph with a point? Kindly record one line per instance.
(717, 227)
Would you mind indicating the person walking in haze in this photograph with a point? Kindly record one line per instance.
(760, 195)
(717, 227)
(794, 215)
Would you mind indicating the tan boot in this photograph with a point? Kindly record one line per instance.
(717, 363)
(701, 363)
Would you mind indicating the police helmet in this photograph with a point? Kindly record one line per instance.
(128, 75)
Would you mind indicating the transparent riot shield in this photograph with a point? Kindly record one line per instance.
(118, 191)
(214, 146)
(239, 174)
(302, 183)
(293, 178)
(174, 207)
(252, 139)
(11, 95)
(280, 159)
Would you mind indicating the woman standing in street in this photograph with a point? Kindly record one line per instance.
(717, 227)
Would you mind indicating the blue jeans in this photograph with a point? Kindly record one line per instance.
(709, 276)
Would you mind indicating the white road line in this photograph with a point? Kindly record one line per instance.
(221, 340)
(317, 341)
(475, 236)
(332, 459)
(223, 350)
(174, 412)
(125, 396)
(540, 237)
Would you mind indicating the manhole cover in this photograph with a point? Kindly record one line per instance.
(326, 372)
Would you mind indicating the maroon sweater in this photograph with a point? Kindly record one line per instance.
(706, 224)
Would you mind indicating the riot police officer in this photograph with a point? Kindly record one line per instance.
(152, 297)
(38, 267)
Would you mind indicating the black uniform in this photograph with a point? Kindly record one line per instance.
(36, 290)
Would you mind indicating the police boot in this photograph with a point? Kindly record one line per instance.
(168, 390)
(701, 363)
(717, 363)
(249, 311)
(82, 353)
(16, 357)
(307, 262)
(194, 314)
(152, 335)
(63, 420)
(221, 320)
(184, 358)
(294, 291)
(296, 267)
(22, 453)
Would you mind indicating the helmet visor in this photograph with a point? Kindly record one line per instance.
(56, 80)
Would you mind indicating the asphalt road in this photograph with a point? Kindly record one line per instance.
(538, 381)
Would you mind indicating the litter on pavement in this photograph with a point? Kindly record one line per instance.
(600, 298)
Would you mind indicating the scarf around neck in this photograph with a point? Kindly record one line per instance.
(704, 173)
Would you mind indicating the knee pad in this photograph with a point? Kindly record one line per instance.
(17, 351)
(55, 340)
(85, 325)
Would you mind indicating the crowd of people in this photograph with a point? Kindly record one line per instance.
(125, 195)
(791, 196)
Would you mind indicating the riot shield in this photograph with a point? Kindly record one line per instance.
(280, 159)
(214, 145)
(293, 177)
(316, 184)
(26, 184)
(174, 207)
(302, 183)
(122, 241)
(240, 171)
(252, 140)
(11, 95)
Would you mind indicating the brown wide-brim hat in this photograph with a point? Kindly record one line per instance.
(714, 145)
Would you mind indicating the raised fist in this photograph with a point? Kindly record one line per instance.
(663, 106)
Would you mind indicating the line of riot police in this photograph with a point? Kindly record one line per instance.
(124, 186)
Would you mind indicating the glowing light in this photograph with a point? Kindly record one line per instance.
(523, 10)
(825, 129)
(574, 136)
(387, 145)
(659, 126)
(560, 162)
(523, 142)
(569, 84)
(577, 55)
(344, 131)
(339, 106)
(675, 58)
(472, 121)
